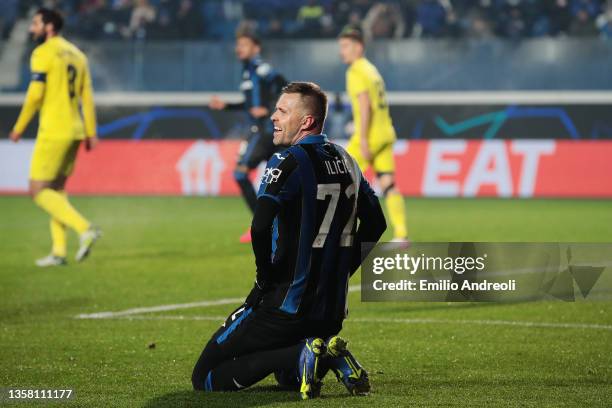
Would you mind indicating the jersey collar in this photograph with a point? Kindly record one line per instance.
(314, 139)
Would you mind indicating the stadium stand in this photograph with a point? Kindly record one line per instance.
(218, 19)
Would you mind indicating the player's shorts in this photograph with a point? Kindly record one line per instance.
(382, 154)
(247, 331)
(258, 148)
(53, 158)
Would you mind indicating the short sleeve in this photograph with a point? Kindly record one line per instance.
(39, 65)
(280, 181)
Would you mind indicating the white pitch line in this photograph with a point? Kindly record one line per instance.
(166, 308)
(160, 308)
(517, 323)
(170, 317)
(488, 322)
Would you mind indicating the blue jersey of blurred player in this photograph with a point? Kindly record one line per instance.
(261, 86)
(314, 210)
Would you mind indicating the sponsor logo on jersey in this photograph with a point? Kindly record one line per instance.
(271, 175)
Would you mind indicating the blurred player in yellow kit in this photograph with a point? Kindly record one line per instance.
(372, 141)
(60, 83)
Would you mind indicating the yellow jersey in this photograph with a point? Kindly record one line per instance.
(60, 85)
(362, 76)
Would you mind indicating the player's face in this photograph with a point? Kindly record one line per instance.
(37, 28)
(350, 50)
(246, 49)
(288, 119)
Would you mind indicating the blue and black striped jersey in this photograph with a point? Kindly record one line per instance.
(314, 210)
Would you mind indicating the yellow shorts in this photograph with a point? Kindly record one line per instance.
(382, 154)
(53, 158)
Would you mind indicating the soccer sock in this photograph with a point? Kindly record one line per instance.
(397, 213)
(58, 238)
(58, 235)
(57, 205)
(246, 187)
(244, 371)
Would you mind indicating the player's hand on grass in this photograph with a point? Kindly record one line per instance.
(91, 142)
(14, 136)
(216, 103)
(259, 111)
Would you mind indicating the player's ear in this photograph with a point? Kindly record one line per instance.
(309, 122)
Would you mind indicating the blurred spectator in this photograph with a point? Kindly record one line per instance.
(383, 21)
(560, 16)
(8, 16)
(143, 14)
(218, 19)
(583, 25)
(309, 17)
(591, 7)
(189, 21)
(453, 26)
(275, 29)
(478, 26)
(431, 17)
(604, 21)
(512, 24)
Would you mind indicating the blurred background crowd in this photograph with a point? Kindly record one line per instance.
(218, 19)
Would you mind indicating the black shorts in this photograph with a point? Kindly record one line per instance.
(247, 331)
(258, 148)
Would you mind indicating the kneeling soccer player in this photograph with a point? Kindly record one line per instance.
(307, 245)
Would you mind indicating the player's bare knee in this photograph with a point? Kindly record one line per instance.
(36, 187)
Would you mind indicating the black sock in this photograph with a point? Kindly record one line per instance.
(246, 187)
(247, 370)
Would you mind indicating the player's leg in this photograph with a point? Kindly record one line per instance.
(250, 346)
(223, 345)
(59, 238)
(301, 364)
(244, 371)
(243, 167)
(384, 165)
(52, 162)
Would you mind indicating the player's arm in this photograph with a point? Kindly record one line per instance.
(365, 113)
(217, 103)
(89, 110)
(34, 95)
(358, 87)
(372, 223)
(280, 183)
(234, 106)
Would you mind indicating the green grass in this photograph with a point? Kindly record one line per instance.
(176, 250)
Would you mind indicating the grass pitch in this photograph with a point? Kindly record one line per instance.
(160, 251)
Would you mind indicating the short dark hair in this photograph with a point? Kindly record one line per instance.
(352, 32)
(250, 35)
(52, 17)
(313, 98)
